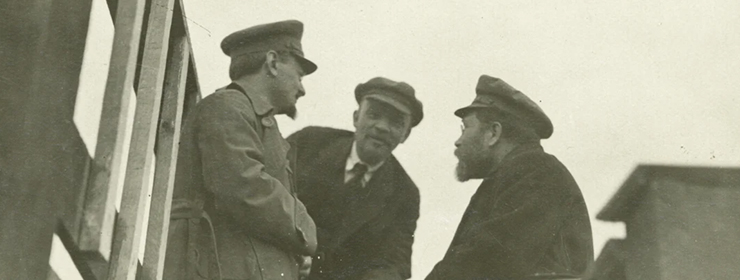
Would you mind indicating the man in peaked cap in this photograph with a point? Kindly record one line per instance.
(364, 204)
(528, 219)
(235, 214)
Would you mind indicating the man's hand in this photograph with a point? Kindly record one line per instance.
(305, 266)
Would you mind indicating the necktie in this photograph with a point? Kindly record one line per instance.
(354, 189)
(358, 173)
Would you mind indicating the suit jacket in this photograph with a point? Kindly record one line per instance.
(527, 217)
(233, 164)
(371, 241)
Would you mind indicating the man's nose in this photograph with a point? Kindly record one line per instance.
(301, 90)
(383, 124)
(458, 142)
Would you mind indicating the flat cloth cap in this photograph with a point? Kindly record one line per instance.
(397, 94)
(494, 93)
(277, 36)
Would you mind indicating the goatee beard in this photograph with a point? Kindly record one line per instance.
(292, 112)
(461, 172)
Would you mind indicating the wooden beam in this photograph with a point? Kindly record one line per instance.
(192, 87)
(192, 90)
(129, 224)
(61, 263)
(168, 138)
(42, 43)
(99, 212)
(193, 93)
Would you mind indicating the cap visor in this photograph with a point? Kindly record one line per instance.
(390, 101)
(308, 66)
(464, 110)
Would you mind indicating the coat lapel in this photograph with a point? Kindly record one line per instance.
(328, 169)
(327, 173)
(380, 188)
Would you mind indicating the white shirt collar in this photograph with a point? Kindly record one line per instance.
(354, 159)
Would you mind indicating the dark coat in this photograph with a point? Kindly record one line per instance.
(373, 241)
(527, 217)
(233, 164)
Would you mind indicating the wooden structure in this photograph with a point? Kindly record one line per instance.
(682, 223)
(51, 186)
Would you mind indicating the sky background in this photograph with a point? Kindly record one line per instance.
(624, 82)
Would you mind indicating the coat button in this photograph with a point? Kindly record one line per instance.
(267, 121)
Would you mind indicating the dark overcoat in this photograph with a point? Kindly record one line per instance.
(371, 241)
(527, 217)
(233, 165)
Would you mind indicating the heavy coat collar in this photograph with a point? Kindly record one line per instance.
(514, 156)
(260, 103)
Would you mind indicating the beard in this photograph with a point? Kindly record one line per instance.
(283, 102)
(472, 166)
(292, 112)
(461, 172)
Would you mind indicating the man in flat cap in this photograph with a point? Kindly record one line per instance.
(364, 204)
(235, 214)
(528, 219)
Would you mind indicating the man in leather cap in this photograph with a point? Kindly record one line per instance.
(528, 218)
(235, 214)
(364, 204)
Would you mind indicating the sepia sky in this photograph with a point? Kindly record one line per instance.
(624, 82)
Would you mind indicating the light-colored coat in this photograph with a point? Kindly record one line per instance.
(233, 164)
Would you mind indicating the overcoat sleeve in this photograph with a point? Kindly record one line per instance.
(394, 258)
(234, 171)
(523, 223)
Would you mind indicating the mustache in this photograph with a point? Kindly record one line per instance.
(382, 138)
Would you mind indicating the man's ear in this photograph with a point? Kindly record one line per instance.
(355, 117)
(406, 135)
(271, 60)
(495, 133)
(407, 121)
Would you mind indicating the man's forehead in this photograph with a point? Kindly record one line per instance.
(293, 61)
(470, 117)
